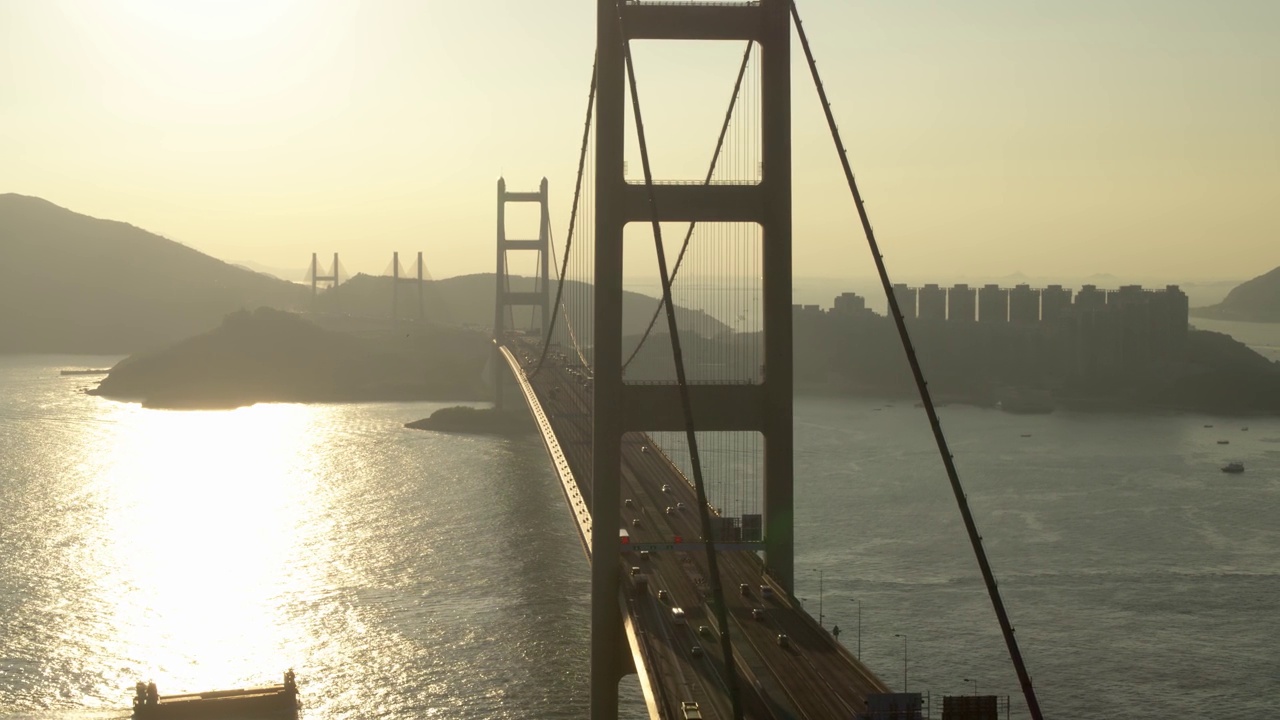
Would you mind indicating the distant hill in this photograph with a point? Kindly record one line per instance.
(1257, 300)
(76, 284)
(467, 300)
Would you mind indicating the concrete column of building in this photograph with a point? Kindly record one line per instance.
(606, 450)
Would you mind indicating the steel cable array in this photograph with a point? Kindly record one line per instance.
(1033, 705)
(717, 590)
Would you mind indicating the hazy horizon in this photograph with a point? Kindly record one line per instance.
(1136, 138)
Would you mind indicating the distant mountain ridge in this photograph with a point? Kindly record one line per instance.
(1256, 300)
(77, 284)
(71, 283)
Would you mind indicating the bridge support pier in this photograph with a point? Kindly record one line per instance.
(317, 278)
(768, 204)
(504, 297)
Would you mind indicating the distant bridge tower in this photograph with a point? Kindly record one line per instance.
(396, 280)
(540, 297)
(765, 408)
(317, 278)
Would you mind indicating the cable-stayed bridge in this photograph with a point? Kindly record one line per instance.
(674, 444)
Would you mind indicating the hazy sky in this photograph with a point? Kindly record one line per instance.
(1136, 137)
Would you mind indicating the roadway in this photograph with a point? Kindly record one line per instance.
(809, 676)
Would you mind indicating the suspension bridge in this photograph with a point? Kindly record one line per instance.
(674, 444)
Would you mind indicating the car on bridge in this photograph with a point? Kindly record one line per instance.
(689, 710)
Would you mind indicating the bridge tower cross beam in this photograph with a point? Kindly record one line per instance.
(396, 280)
(504, 298)
(619, 408)
(317, 278)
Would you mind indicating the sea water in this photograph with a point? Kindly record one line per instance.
(410, 574)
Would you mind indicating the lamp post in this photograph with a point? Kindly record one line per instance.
(859, 626)
(904, 660)
(975, 686)
(820, 573)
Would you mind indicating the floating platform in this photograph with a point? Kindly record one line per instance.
(269, 702)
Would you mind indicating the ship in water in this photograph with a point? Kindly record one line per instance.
(268, 702)
(1235, 468)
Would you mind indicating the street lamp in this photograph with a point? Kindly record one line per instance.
(859, 625)
(904, 660)
(975, 686)
(820, 573)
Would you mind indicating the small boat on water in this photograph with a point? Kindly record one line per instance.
(1224, 442)
(269, 702)
(1208, 426)
(1234, 468)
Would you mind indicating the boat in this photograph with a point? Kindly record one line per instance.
(85, 371)
(1234, 468)
(268, 702)
(1224, 442)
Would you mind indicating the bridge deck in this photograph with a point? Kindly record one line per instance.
(812, 677)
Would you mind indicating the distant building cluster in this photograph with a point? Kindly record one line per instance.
(1093, 328)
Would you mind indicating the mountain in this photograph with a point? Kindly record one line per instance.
(1257, 300)
(70, 283)
(77, 284)
(467, 300)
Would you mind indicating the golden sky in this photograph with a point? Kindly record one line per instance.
(1134, 137)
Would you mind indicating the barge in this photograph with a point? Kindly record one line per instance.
(268, 702)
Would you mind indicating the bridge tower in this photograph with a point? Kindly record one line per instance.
(396, 280)
(765, 408)
(317, 278)
(540, 297)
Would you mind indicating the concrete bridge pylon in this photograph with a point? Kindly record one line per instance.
(505, 298)
(619, 408)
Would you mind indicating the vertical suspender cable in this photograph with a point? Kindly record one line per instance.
(573, 214)
(686, 402)
(1033, 705)
(715, 156)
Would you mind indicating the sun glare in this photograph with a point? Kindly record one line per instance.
(207, 509)
(199, 60)
(205, 21)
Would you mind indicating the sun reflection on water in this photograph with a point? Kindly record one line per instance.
(201, 523)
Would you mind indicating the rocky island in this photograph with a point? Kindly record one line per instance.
(488, 421)
(275, 356)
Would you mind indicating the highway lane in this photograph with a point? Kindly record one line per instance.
(813, 677)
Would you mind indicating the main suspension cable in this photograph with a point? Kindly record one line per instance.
(686, 402)
(715, 157)
(568, 241)
(970, 526)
